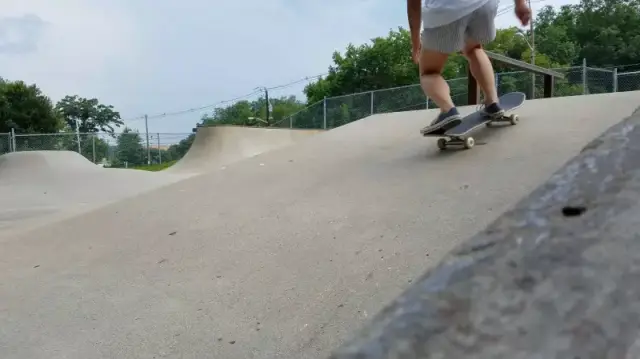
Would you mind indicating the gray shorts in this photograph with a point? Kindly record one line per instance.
(478, 27)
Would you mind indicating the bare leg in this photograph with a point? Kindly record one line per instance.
(482, 70)
(433, 84)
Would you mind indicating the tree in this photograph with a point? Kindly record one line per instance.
(90, 115)
(129, 149)
(25, 109)
(96, 147)
(177, 151)
(605, 32)
(91, 145)
(385, 62)
(240, 113)
(252, 113)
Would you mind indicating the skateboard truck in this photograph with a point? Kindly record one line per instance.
(468, 141)
(460, 135)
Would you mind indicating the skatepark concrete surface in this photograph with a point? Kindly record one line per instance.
(282, 255)
(220, 145)
(40, 187)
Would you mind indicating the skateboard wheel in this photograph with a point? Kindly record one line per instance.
(513, 119)
(442, 143)
(469, 142)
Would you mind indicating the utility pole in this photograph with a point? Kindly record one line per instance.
(159, 152)
(146, 128)
(266, 100)
(533, 53)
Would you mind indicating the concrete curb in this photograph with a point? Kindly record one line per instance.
(557, 276)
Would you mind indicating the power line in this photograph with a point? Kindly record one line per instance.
(217, 104)
(501, 11)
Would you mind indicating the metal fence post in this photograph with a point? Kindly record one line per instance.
(93, 145)
(159, 151)
(146, 130)
(78, 137)
(584, 76)
(324, 113)
(615, 79)
(13, 140)
(371, 102)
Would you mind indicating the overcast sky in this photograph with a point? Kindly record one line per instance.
(159, 56)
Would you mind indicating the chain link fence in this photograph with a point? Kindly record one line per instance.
(118, 150)
(131, 149)
(337, 111)
(6, 144)
(629, 81)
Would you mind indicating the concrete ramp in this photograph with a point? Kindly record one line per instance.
(283, 255)
(42, 165)
(220, 145)
(39, 187)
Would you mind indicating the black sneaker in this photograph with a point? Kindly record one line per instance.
(444, 121)
(493, 110)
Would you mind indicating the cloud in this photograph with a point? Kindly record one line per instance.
(66, 46)
(20, 35)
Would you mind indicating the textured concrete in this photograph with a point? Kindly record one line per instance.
(218, 146)
(555, 277)
(41, 187)
(283, 255)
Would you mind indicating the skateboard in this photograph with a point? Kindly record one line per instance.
(458, 135)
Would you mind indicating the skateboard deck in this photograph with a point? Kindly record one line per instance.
(459, 135)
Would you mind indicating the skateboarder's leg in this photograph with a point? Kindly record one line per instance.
(482, 70)
(437, 43)
(480, 31)
(433, 84)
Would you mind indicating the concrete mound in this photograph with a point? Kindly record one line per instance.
(39, 187)
(39, 165)
(220, 145)
(284, 255)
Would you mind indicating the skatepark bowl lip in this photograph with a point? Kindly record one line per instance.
(285, 254)
(210, 149)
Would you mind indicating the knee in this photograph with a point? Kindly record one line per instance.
(429, 72)
(471, 51)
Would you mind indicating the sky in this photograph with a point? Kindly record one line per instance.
(164, 56)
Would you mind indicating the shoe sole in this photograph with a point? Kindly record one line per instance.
(494, 115)
(448, 123)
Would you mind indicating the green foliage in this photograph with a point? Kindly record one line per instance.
(177, 151)
(385, 62)
(606, 32)
(129, 150)
(25, 109)
(156, 166)
(91, 146)
(89, 114)
(253, 113)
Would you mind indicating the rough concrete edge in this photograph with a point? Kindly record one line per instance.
(554, 277)
(262, 128)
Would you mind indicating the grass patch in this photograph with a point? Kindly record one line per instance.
(155, 167)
